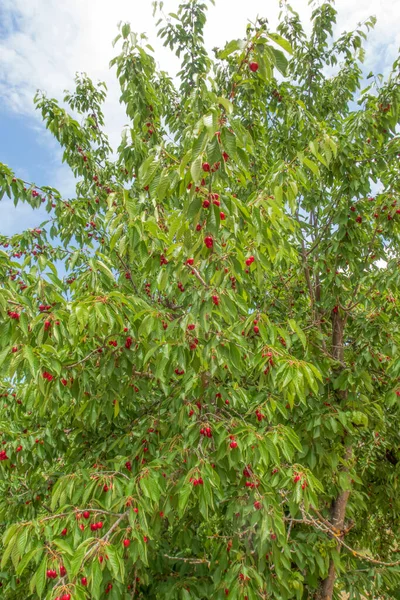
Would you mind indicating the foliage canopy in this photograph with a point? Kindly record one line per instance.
(207, 403)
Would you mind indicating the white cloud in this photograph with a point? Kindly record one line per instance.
(16, 219)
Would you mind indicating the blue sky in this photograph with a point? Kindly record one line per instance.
(43, 43)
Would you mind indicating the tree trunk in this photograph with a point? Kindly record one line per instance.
(339, 504)
(338, 514)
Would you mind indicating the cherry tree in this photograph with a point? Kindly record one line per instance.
(199, 351)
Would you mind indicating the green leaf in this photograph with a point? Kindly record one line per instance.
(32, 360)
(230, 47)
(76, 561)
(150, 488)
(114, 562)
(183, 498)
(104, 268)
(95, 579)
(196, 169)
(64, 546)
(41, 576)
(295, 327)
(279, 60)
(311, 165)
(4, 354)
(228, 106)
(228, 141)
(280, 41)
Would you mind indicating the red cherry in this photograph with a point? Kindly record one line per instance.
(233, 444)
(84, 581)
(256, 329)
(208, 241)
(127, 543)
(63, 571)
(206, 167)
(86, 514)
(253, 66)
(222, 216)
(64, 531)
(190, 261)
(66, 597)
(257, 505)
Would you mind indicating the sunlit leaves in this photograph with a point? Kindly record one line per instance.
(175, 408)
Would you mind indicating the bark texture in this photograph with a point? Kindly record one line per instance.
(338, 509)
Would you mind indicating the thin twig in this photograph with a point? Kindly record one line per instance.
(198, 276)
(193, 561)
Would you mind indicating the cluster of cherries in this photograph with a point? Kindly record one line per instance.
(209, 242)
(214, 198)
(194, 341)
(248, 474)
(297, 477)
(233, 443)
(147, 289)
(206, 431)
(259, 415)
(198, 481)
(51, 574)
(13, 315)
(43, 307)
